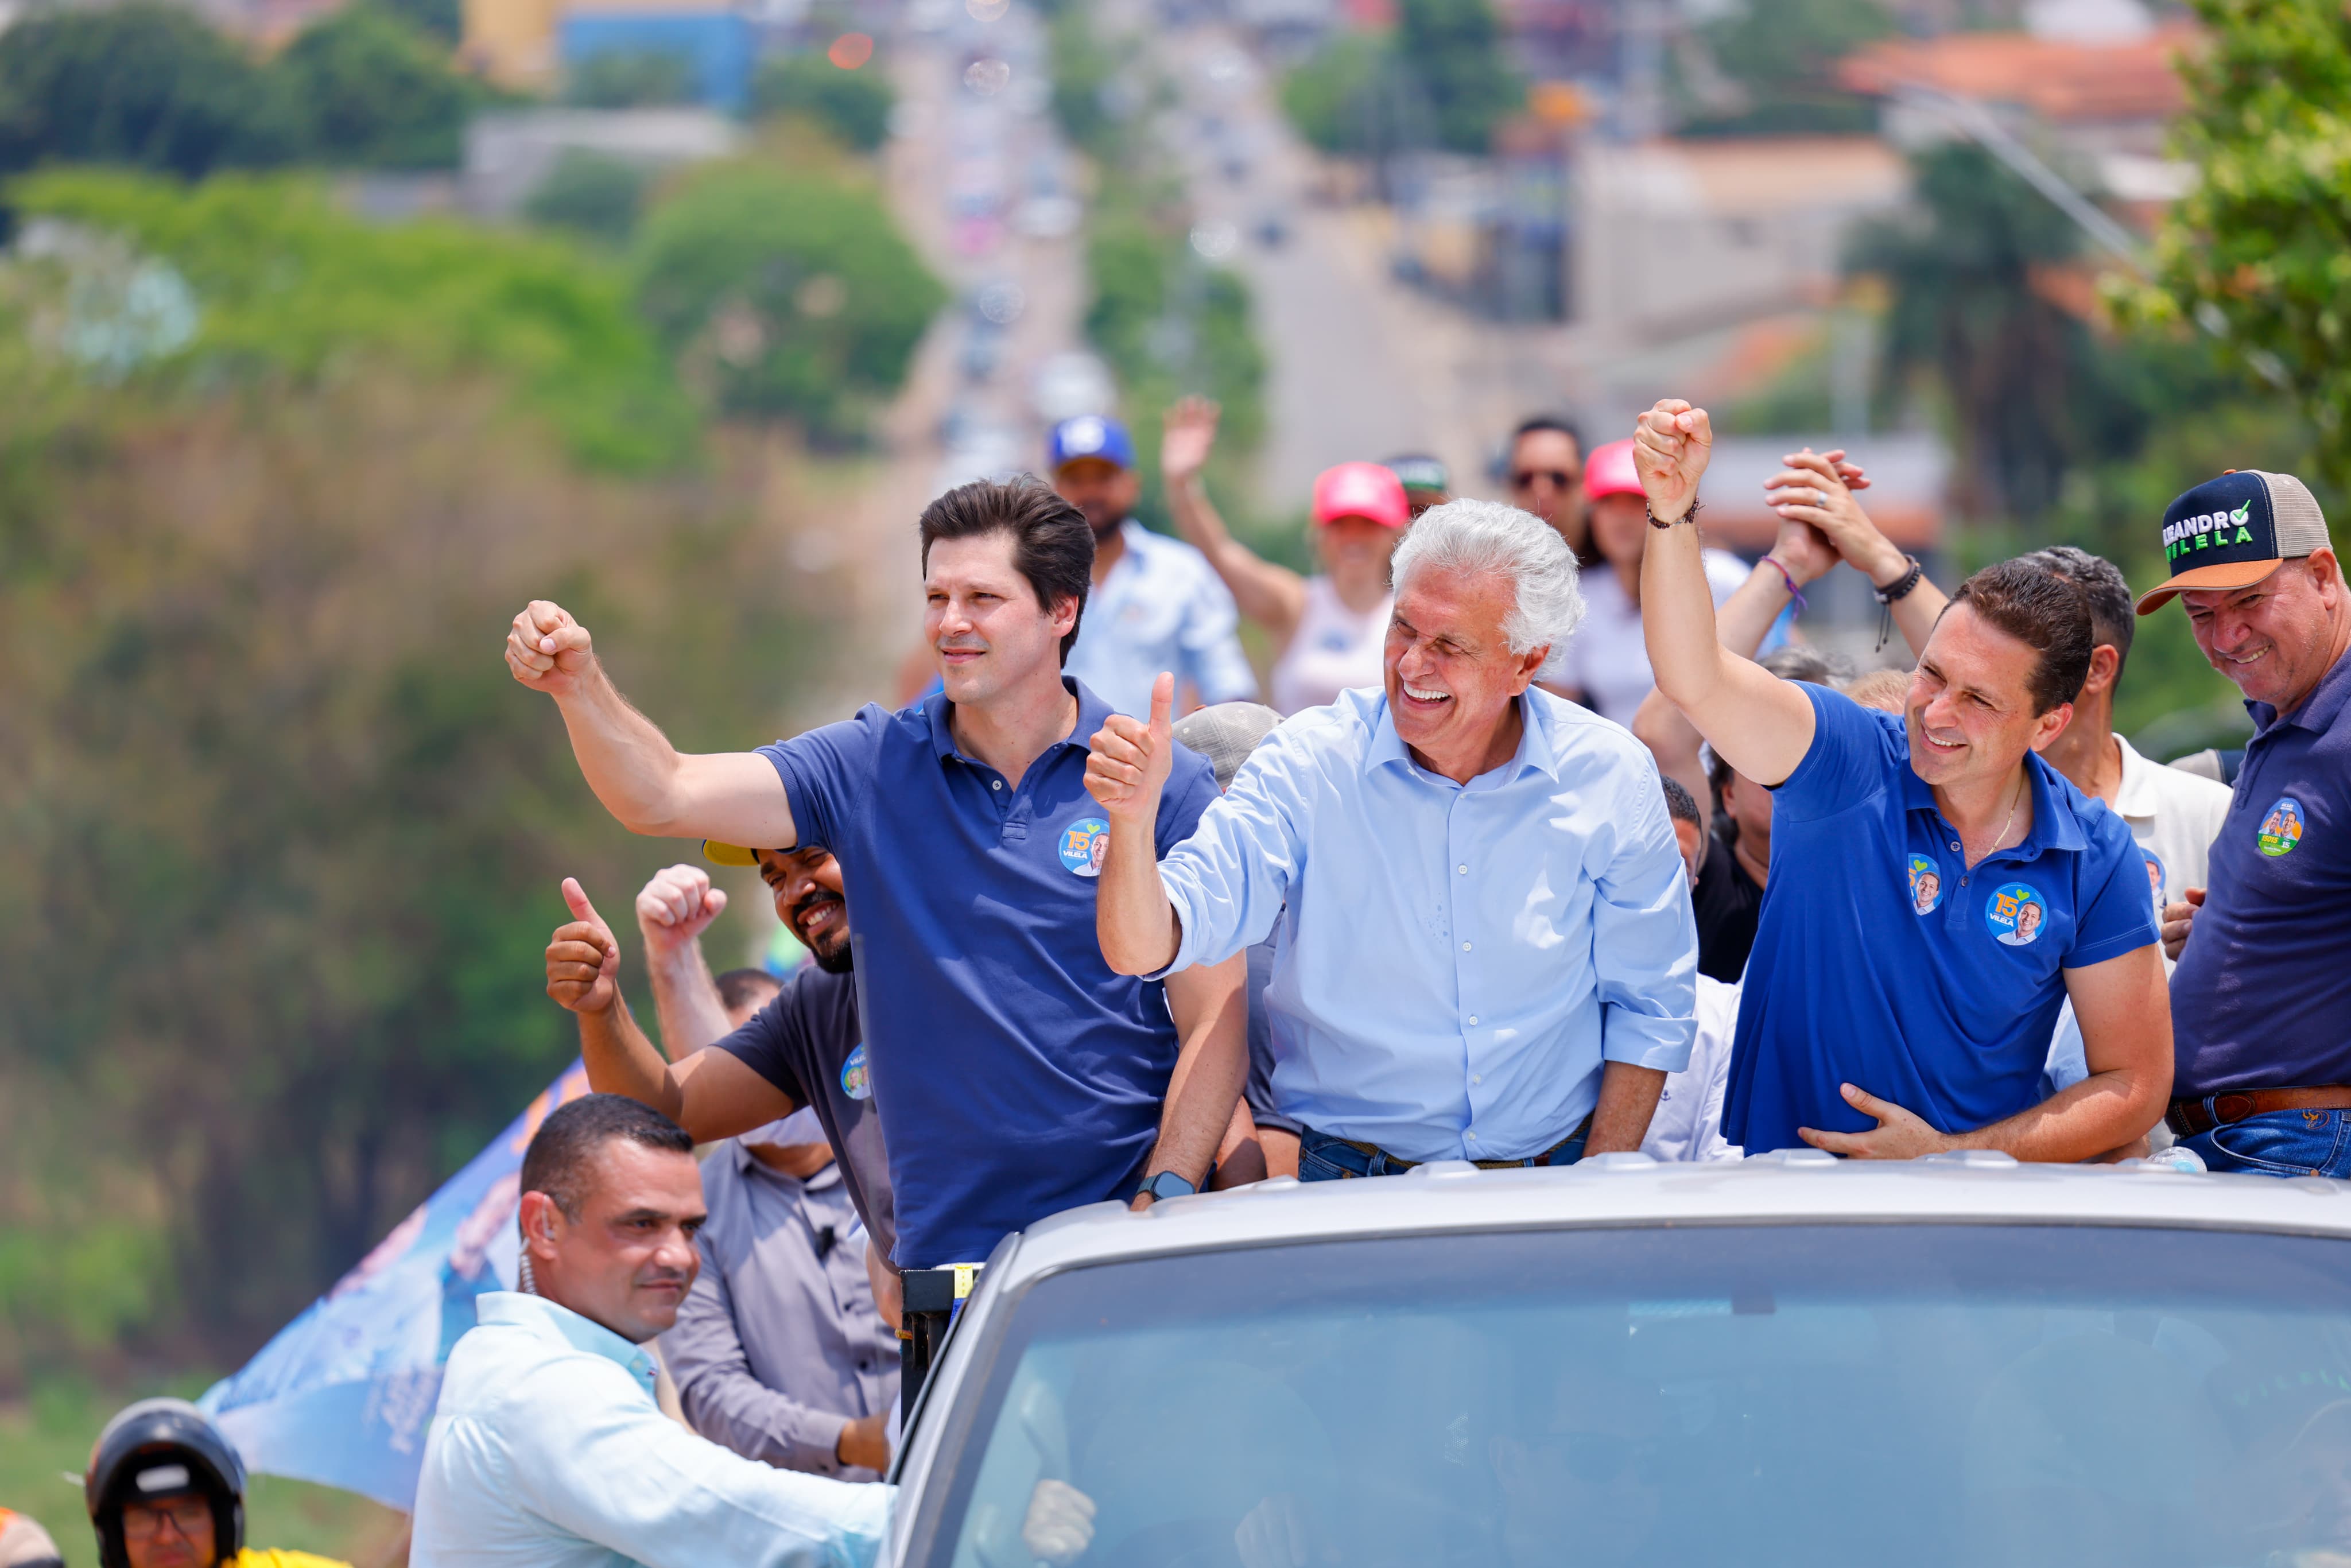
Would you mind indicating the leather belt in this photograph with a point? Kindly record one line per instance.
(1373, 1150)
(2189, 1117)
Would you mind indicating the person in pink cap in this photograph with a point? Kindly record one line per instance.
(1604, 665)
(1328, 630)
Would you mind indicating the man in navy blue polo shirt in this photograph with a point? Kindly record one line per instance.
(1938, 891)
(1015, 1074)
(2261, 999)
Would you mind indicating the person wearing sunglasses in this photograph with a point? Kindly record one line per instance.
(1544, 467)
(166, 1489)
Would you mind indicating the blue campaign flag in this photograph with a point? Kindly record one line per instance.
(343, 1395)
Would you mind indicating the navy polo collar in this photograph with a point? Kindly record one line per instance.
(2325, 707)
(2054, 825)
(939, 714)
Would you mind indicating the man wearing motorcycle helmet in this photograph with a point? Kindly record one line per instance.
(166, 1490)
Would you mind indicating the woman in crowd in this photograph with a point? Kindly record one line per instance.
(1327, 630)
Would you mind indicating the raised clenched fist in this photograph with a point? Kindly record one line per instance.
(676, 907)
(583, 961)
(546, 649)
(1670, 447)
(1130, 760)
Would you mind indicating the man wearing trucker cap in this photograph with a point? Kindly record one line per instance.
(2261, 1003)
(1157, 604)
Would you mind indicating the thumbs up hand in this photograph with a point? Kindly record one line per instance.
(1130, 760)
(583, 961)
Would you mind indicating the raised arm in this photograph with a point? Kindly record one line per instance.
(648, 785)
(1273, 596)
(1814, 489)
(1128, 768)
(711, 1093)
(1799, 556)
(673, 911)
(1761, 724)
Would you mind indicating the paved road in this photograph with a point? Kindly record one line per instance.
(1360, 366)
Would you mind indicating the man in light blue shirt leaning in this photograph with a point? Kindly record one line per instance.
(1483, 945)
(546, 1449)
(1157, 604)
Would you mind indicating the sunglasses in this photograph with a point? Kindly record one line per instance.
(1561, 478)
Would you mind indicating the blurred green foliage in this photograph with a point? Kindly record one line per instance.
(149, 85)
(1778, 61)
(1085, 76)
(785, 293)
(2256, 248)
(1329, 95)
(291, 285)
(1439, 79)
(631, 78)
(590, 193)
(853, 106)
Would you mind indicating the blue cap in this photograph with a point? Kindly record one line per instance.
(1089, 435)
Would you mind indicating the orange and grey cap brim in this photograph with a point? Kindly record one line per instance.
(2223, 577)
(717, 854)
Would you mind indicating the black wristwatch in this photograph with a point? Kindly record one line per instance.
(1166, 1184)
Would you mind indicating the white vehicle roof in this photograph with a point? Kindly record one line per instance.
(1793, 1186)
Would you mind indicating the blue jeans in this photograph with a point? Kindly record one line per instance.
(2279, 1143)
(1321, 1157)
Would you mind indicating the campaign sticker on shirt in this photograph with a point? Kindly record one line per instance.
(2016, 912)
(2282, 828)
(855, 1081)
(1926, 885)
(2156, 877)
(1084, 845)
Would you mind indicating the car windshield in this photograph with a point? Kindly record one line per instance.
(1952, 1395)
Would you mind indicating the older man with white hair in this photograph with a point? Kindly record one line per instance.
(1483, 942)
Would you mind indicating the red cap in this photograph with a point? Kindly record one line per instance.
(1360, 490)
(1609, 471)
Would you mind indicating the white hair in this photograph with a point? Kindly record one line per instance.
(1489, 538)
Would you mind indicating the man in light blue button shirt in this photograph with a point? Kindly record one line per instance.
(1157, 604)
(1484, 947)
(546, 1449)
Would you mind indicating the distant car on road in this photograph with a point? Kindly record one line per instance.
(1785, 1361)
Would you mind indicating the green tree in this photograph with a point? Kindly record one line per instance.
(141, 83)
(292, 287)
(2258, 247)
(853, 106)
(441, 20)
(1965, 316)
(367, 88)
(1330, 96)
(631, 78)
(788, 294)
(590, 193)
(1781, 56)
(1453, 49)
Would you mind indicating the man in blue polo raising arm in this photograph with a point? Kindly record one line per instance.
(1015, 1074)
(1483, 942)
(1938, 891)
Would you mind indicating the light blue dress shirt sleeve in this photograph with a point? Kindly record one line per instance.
(1228, 880)
(609, 1466)
(1645, 941)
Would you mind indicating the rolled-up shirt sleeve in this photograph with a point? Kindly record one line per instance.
(1227, 882)
(613, 1469)
(1644, 939)
(725, 1402)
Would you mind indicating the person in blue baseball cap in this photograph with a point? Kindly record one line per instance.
(1156, 603)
